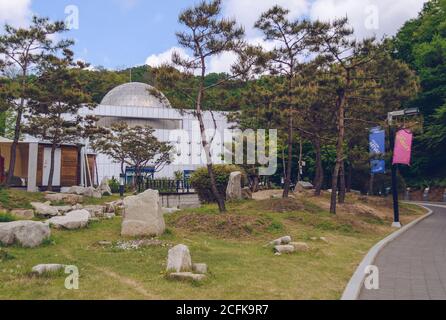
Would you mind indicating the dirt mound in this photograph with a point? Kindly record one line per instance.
(223, 226)
(281, 205)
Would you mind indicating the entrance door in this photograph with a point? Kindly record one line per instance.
(47, 165)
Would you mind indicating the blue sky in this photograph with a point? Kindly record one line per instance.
(125, 33)
(118, 33)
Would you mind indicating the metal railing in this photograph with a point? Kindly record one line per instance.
(165, 185)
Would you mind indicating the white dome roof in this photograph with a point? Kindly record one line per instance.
(135, 94)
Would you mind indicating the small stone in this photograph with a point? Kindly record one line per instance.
(44, 209)
(300, 246)
(179, 259)
(73, 220)
(324, 239)
(187, 276)
(47, 268)
(105, 243)
(284, 249)
(23, 214)
(201, 268)
(281, 241)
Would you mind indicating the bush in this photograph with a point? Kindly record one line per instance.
(201, 181)
(6, 217)
(114, 185)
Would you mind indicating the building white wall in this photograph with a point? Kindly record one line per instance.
(107, 168)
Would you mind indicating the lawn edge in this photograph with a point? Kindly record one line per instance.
(354, 286)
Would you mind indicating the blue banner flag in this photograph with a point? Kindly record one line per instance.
(378, 166)
(377, 141)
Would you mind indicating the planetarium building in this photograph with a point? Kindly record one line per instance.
(139, 104)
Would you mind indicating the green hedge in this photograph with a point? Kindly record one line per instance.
(201, 181)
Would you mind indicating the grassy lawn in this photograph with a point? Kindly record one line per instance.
(232, 245)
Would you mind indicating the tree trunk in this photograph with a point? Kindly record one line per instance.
(220, 199)
(348, 183)
(13, 150)
(299, 166)
(286, 187)
(342, 188)
(319, 177)
(51, 174)
(339, 150)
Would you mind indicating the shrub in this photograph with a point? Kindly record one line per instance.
(114, 185)
(201, 181)
(6, 217)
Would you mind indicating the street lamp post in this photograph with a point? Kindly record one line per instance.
(121, 184)
(392, 132)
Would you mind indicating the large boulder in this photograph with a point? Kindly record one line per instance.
(104, 187)
(92, 193)
(28, 234)
(234, 189)
(44, 209)
(179, 259)
(73, 220)
(143, 215)
(301, 186)
(77, 190)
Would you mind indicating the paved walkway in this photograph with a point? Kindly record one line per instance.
(413, 267)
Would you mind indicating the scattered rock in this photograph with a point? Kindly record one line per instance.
(281, 241)
(28, 234)
(63, 209)
(136, 244)
(105, 243)
(77, 190)
(179, 259)
(143, 215)
(284, 249)
(47, 268)
(44, 209)
(324, 239)
(300, 246)
(68, 198)
(73, 220)
(95, 211)
(246, 193)
(234, 189)
(109, 215)
(187, 276)
(92, 193)
(23, 214)
(303, 185)
(201, 268)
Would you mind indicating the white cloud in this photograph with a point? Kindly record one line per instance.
(368, 17)
(16, 12)
(247, 12)
(156, 60)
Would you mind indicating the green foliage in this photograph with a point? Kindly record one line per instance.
(201, 181)
(113, 183)
(6, 217)
(422, 43)
(5, 255)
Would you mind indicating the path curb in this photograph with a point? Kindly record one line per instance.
(354, 286)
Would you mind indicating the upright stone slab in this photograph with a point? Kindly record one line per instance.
(179, 259)
(104, 187)
(143, 215)
(234, 189)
